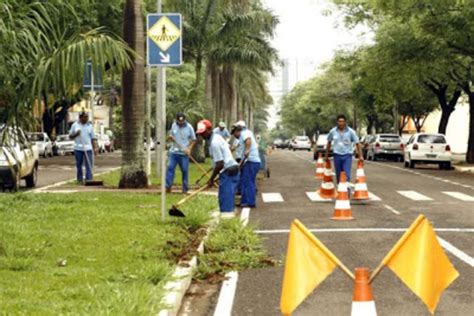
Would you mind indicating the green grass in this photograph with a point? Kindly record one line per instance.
(91, 253)
(232, 247)
(112, 179)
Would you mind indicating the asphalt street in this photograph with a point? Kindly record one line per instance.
(446, 198)
(63, 168)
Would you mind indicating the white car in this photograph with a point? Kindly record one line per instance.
(428, 148)
(64, 145)
(18, 159)
(301, 143)
(45, 145)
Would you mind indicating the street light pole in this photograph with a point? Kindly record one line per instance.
(148, 122)
(161, 118)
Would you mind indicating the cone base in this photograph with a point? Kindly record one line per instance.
(342, 215)
(342, 218)
(361, 197)
(327, 196)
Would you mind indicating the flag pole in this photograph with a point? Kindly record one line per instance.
(397, 246)
(323, 248)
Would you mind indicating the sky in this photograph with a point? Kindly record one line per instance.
(311, 31)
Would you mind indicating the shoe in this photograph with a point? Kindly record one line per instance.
(227, 215)
(168, 190)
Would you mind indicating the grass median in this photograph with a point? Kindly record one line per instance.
(92, 253)
(111, 179)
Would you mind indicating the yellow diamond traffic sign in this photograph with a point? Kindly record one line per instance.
(164, 33)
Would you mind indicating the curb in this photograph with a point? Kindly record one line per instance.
(464, 169)
(183, 275)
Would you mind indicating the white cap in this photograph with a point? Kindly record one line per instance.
(241, 124)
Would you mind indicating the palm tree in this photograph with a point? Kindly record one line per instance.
(48, 51)
(133, 112)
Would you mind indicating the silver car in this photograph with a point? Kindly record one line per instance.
(44, 144)
(387, 146)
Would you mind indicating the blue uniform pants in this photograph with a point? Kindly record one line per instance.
(183, 162)
(81, 160)
(227, 188)
(248, 183)
(343, 163)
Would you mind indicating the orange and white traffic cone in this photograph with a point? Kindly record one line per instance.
(361, 192)
(327, 190)
(342, 210)
(362, 298)
(320, 167)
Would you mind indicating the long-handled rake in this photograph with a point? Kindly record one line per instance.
(174, 211)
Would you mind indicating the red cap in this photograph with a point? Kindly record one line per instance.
(203, 125)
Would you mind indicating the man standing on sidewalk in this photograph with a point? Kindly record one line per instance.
(344, 139)
(250, 165)
(85, 143)
(183, 138)
(224, 165)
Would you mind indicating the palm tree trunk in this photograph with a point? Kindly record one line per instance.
(230, 92)
(133, 115)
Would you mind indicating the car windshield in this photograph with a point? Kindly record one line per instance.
(390, 139)
(302, 138)
(36, 137)
(431, 139)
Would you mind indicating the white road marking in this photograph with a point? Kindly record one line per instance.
(456, 252)
(225, 301)
(460, 196)
(423, 175)
(227, 294)
(272, 197)
(315, 197)
(373, 197)
(415, 196)
(367, 230)
(391, 209)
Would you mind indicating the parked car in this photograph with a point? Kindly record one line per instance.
(428, 148)
(364, 143)
(387, 146)
(301, 143)
(285, 144)
(18, 159)
(63, 145)
(321, 144)
(277, 143)
(152, 144)
(44, 143)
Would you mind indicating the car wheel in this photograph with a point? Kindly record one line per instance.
(45, 155)
(32, 178)
(374, 157)
(448, 166)
(411, 164)
(405, 164)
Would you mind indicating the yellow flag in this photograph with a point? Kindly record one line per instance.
(420, 262)
(308, 263)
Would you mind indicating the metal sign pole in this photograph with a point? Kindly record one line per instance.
(161, 109)
(148, 122)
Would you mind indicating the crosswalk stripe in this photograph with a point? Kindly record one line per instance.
(415, 196)
(460, 196)
(272, 197)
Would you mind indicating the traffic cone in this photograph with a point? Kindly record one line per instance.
(362, 298)
(361, 192)
(342, 210)
(327, 190)
(320, 167)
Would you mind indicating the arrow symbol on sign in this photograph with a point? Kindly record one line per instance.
(165, 58)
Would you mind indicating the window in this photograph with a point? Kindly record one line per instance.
(390, 139)
(431, 139)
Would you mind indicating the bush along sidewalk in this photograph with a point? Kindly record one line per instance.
(231, 247)
(92, 253)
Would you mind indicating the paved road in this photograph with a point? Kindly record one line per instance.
(57, 169)
(258, 291)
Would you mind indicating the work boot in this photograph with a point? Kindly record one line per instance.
(168, 190)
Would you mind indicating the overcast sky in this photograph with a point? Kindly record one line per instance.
(306, 32)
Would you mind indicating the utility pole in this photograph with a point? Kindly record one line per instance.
(161, 122)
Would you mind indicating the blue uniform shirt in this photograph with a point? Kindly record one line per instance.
(253, 155)
(343, 140)
(224, 133)
(220, 151)
(83, 142)
(183, 136)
